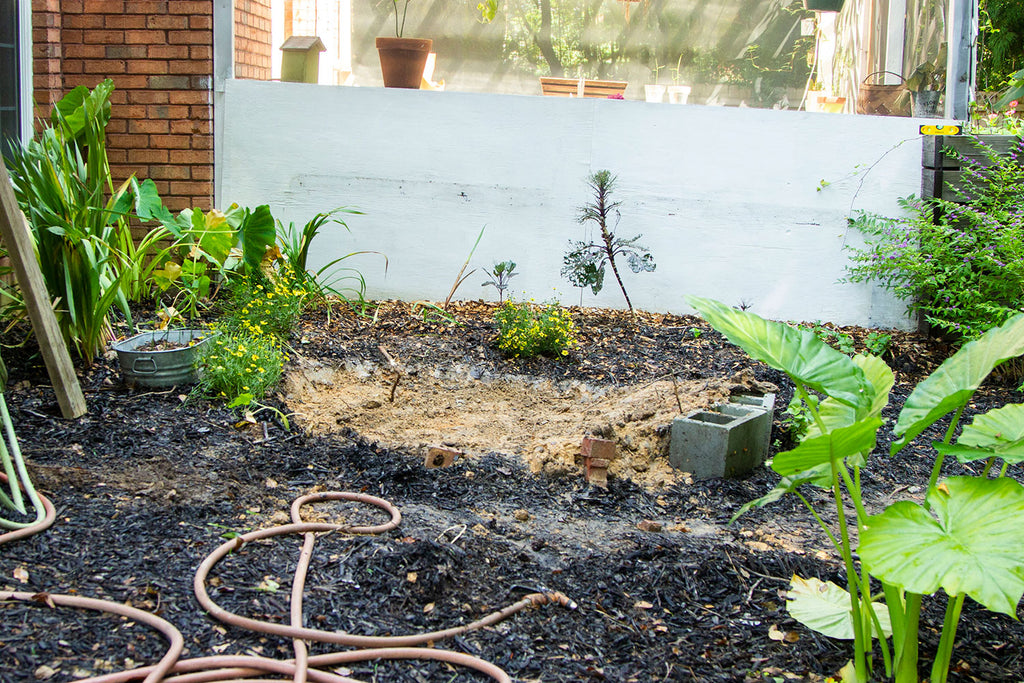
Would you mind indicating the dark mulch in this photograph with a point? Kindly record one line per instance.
(147, 484)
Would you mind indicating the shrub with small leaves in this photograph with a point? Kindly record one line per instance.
(528, 330)
(264, 306)
(240, 363)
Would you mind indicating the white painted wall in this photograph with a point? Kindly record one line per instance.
(727, 199)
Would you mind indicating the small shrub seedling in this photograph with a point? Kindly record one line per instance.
(500, 276)
(584, 264)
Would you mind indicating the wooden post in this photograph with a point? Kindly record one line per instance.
(14, 231)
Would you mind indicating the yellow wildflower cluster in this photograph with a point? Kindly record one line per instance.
(528, 330)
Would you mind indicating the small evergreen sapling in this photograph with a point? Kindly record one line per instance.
(584, 264)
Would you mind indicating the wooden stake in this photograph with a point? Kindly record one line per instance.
(14, 231)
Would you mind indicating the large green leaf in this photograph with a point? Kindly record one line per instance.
(839, 443)
(824, 607)
(956, 380)
(973, 544)
(835, 414)
(1000, 431)
(798, 353)
(257, 233)
(148, 205)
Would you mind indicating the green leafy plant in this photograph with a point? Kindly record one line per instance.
(347, 284)
(528, 330)
(259, 305)
(912, 549)
(797, 417)
(239, 363)
(500, 276)
(961, 265)
(840, 341)
(877, 343)
(61, 179)
(584, 264)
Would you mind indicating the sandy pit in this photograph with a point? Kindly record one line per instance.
(469, 409)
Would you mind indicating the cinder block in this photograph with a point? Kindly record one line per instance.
(765, 402)
(728, 441)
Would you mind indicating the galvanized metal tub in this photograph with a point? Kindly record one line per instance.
(164, 367)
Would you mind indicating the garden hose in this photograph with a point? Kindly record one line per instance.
(253, 669)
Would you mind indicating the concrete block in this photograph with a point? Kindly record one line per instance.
(728, 441)
(765, 402)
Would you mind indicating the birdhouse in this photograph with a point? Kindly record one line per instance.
(300, 62)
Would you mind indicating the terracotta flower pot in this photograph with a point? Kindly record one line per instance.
(402, 60)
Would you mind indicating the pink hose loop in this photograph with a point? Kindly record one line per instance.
(31, 529)
(174, 639)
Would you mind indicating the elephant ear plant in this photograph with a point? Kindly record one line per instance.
(966, 538)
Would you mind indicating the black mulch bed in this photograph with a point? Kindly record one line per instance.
(147, 484)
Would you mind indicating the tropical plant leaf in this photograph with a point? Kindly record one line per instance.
(824, 607)
(257, 233)
(798, 353)
(999, 431)
(972, 542)
(835, 414)
(839, 443)
(956, 380)
(817, 476)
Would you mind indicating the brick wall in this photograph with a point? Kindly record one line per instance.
(252, 39)
(159, 54)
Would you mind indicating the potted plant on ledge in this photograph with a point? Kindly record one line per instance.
(402, 60)
(925, 86)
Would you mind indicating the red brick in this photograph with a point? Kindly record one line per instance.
(189, 67)
(46, 50)
(202, 172)
(125, 170)
(148, 126)
(117, 156)
(75, 36)
(163, 172)
(202, 142)
(105, 66)
(189, 187)
(147, 66)
(163, 111)
(128, 141)
(119, 97)
(170, 141)
(83, 51)
(132, 111)
(168, 51)
(190, 97)
(190, 127)
(168, 82)
(148, 156)
(201, 82)
(103, 7)
(97, 37)
(148, 97)
(129, 82)
(124, 21)
(190, 7)
(166, 21)
(144, 37)
(201, 112)
(200, 21)
(149, 7)
(73, 66)
(117, 125)
(201, 52)
(69, 6)
(83, 21)
(191, 37)
(191, 156)
(125, 51)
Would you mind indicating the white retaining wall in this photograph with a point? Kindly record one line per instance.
(727, 199)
